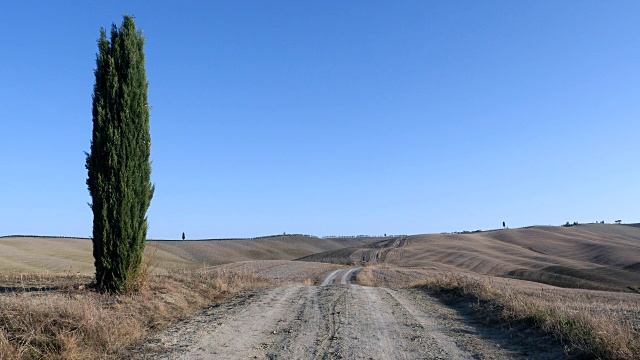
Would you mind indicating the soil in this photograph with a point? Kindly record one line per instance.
(340, 320)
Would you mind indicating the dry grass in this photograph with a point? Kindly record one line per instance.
(600, 324)
(58, 317)
(281, 272)
(372, 275)
(588, 323)
(387, 275)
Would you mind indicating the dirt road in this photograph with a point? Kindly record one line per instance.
(341, 276)
(338, 320)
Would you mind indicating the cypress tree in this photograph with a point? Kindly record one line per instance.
(118, 166)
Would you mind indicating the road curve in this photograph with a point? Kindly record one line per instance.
(345, 276)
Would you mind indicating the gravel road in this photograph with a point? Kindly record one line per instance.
(339, 320)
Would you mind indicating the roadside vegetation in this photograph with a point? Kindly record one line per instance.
(598, 324)
(45, 316)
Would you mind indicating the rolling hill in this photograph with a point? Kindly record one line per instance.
(592, 256)
(58, 254)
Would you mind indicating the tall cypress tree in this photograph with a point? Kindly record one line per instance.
(119, 170)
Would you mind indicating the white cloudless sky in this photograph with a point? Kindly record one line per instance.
(334, 117)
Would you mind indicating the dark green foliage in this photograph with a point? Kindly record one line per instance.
(183, 237)
(119, 170)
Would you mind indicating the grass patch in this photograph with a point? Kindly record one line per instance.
(604, 330)
(45, 316)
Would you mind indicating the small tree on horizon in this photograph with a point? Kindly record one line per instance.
(183, 237)
(119, 170)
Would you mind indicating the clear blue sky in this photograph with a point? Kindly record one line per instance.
(334, 117)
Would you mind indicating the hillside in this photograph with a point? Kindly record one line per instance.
(216, 252)
(52, 254)
(594, 256)
(292, 298)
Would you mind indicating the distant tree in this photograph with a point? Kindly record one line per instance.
(183, 237)
(618, 222)
(504, 225)
(119, 170)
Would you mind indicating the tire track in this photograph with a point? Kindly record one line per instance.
(241, 335)
(345, 276)
(425, 321)
(336, 320)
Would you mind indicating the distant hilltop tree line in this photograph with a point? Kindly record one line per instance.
(568, 224)
(283, 234)
(467, 232)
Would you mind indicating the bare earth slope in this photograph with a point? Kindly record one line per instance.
(51, 254)
(339, 321)
(48, 254)
(216, 252)
(594, 256)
